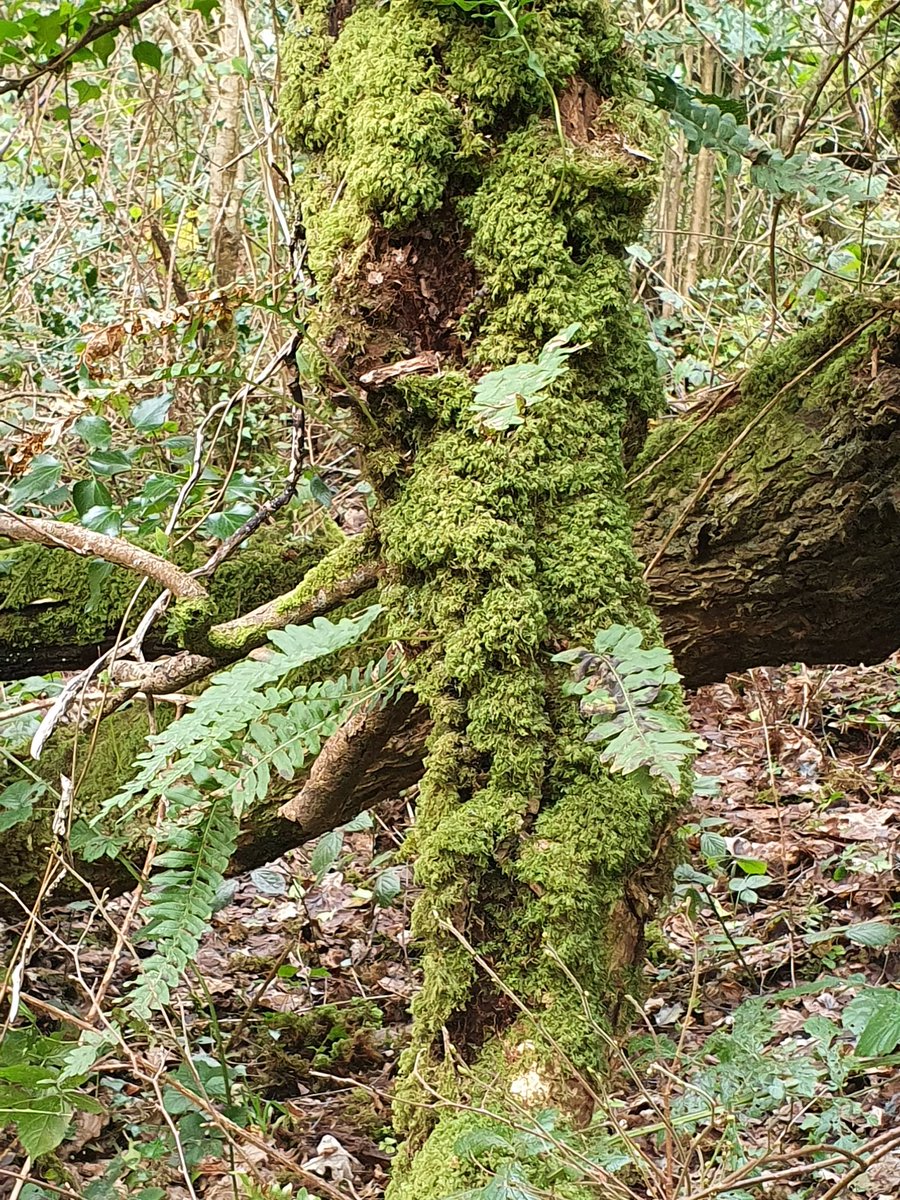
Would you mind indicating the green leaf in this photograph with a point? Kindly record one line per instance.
(872, 933)
(88, 493)
(268, 882)
(319, 491)
(148, 54)
(103, 46)
(102, 519)
(41, 1120)
(325, 853)
(222, 525)
(94, 431)
(713, 845)
(476, 1142)
(387, 888)
(501, 397)
(151, 414)
(41, 478)
(109, 462)
(359, 824)
(875, 1015)
(86, 91)
(18, 800)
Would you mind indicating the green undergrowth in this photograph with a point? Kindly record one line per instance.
(331, 1036)
(500, 548)
(97, 766)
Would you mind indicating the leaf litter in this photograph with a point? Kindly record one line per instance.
(307, 982)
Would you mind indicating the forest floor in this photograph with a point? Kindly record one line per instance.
(767, 968)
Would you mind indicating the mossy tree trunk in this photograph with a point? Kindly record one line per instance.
(445, 218)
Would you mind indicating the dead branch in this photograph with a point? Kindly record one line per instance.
(99, 545)
(330, 792)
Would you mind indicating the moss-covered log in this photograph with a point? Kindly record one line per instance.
(58, 610)
(793, 553)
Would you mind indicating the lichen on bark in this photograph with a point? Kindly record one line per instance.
(424, 134)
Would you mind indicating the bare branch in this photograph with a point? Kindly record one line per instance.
(99, 545)
(330, 793)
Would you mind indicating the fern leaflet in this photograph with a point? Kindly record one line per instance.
(201, 774)
(624, 692)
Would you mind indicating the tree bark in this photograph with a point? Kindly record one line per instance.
(793, 553)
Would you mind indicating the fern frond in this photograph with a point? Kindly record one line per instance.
(237, 699)
(624, 691)
(187, 876)
(203, 771)
(501, 397)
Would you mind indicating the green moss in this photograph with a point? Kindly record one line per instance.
(338, 564)
(498, 547)
(98, 767)
(81, 611)
(318, 1040)
(790, 427)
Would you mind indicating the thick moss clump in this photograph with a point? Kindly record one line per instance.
(537, 865)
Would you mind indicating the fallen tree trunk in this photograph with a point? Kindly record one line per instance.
(773, 527)
(792, 554)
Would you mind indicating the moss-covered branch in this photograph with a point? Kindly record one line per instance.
(57, 609)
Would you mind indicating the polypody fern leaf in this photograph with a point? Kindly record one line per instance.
(501, 397)
(624, 690)
(187, 876)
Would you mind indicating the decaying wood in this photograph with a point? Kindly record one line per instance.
(329, 791)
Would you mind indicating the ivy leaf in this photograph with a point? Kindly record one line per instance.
(87, 493)
(109, 462)
(325, 853)
(501, 397)
(102, 519)
(151, 413)
(148, 54)
(41, 478)
(222, 525)
(94, 431)
(17, 802)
